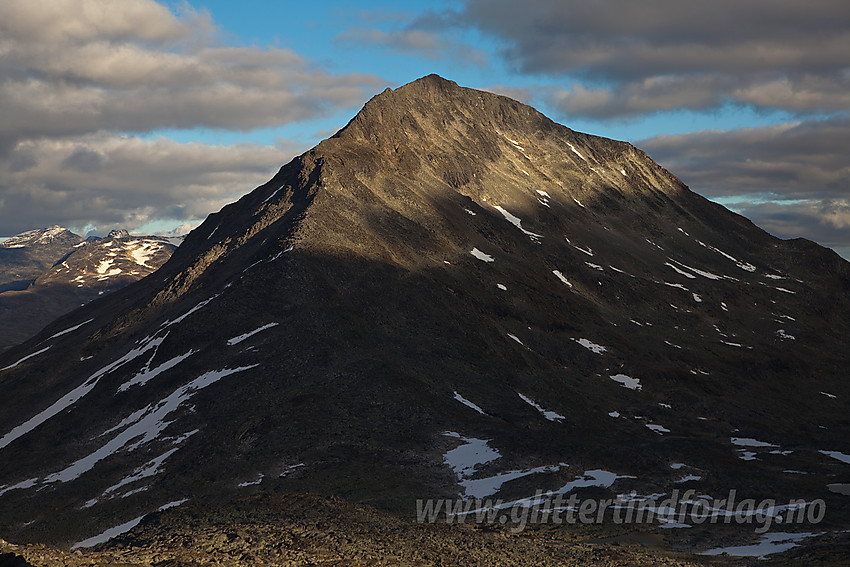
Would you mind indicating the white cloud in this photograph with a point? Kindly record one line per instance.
(116, 181)
(80, 75)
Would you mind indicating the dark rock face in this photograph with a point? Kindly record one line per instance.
(13, 560)
(451, 268)
(63, 272)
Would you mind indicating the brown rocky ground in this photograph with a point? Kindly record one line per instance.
(311, 530)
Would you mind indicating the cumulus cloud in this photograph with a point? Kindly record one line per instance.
(132, 65)
(81, 75)
(792, 179)
(435, 43)
(825, 221)
(115, 181)
(657, 55)
(797, 160)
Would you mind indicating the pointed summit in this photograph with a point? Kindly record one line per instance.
(451, 273)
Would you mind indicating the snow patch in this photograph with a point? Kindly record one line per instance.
(749, 442)
(483, 487)
(837, 456)
(23, 485)
(595, 477)
(198, 307)
(680, 272)
(575, 151)
(550, 415)
(561, 277)
(777, 542)
(591, 346)
(77, 393)
(702, 273)
(516, 338)
(251, 482)
(142, 254)
(269, 198)
(240, 338)
(109, 534)
(123, 528)
(589, 250)
(468, 404)
(481, 255)
(627, 381)
(29, 356)
(660, 429)
(144, 425)
(149, 469)
(517, 222)
(147, 374)
(465, 458)
(69, 330)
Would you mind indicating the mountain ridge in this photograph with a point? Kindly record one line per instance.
(45, 273)
(323, 326)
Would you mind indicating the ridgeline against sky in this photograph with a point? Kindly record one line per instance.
(150, 115)
(450, 274)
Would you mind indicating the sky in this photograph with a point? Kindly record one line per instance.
(150, 115)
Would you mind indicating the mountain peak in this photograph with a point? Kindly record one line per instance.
(41, 236)
(439, 102)
(452, 273)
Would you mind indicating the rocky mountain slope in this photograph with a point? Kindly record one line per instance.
(47, 273)
(27, 255)
(453, 296)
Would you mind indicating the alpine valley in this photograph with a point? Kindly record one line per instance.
(451, 298)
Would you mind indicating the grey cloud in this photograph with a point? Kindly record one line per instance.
(132, 65)
(431, 44)
(136, 181)
(652, 37)
(412, 34)
(797, 160)
(87, 20)
(826, 222)
(81, 76)
(83, 160)
(791, 179)
(406, 40)
(652, 94)
(658, 55)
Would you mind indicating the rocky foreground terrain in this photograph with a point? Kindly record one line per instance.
(311, 530)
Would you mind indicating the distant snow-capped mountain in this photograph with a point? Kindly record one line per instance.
(47, 272)
(44, 236)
